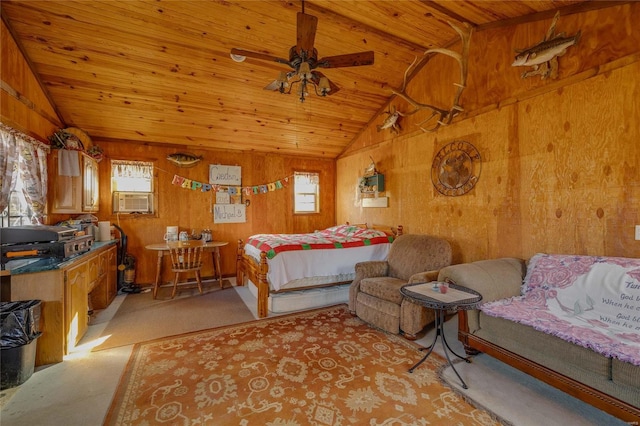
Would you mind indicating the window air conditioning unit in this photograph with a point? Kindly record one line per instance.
(133, 202)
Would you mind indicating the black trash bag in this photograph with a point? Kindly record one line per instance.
(19, 323)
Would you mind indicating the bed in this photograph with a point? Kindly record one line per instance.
(296, 264)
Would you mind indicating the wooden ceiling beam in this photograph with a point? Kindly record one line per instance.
(330, 14)
(549, 14)
(46, 93)
(440, 8)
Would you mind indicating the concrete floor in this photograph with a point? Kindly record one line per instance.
(79, 390)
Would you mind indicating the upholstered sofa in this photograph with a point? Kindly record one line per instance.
(374, 294)
(606, 382)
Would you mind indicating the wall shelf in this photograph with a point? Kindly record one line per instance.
(375, 202)
(370, 188)
(372, 184)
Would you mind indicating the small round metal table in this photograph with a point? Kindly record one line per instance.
(456, 298)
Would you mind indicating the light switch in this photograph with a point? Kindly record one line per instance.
(637, 232)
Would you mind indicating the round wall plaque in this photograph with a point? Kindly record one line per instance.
(456, 168)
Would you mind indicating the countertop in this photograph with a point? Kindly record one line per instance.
(50, 264)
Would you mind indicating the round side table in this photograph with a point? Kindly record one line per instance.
(456, 298)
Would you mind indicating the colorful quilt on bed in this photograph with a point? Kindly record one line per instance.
(337, 237)
(591, 301)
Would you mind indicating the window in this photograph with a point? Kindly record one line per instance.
(132, 184)
(131, 176)
(306, 191)
(23, 172)
(18, 212)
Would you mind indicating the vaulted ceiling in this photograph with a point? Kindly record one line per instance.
(160, 72)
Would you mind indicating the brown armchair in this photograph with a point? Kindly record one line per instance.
(374, 295)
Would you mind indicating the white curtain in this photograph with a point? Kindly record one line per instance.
(8, 165)
(22, 154)
(306, 178)
(132, 169)
(33, 171)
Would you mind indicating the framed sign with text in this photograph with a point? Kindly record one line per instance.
(456, 168)
(225, 175)
(229, 213)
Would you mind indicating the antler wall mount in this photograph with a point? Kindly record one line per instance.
(441, 116)
(303, 60)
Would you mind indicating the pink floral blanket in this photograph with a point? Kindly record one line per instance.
(337, 237)
(591, 301)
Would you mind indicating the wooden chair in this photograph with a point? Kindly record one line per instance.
(186, 256)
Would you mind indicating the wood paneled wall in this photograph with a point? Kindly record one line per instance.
(560, 158)
(23, 104)
(190, 209)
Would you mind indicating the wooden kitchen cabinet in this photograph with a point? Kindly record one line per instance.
(89, 184)
(112, 274)
(66, 191)
(74, 194)
(105, 286)
(76, 303)
(47, 286)
(93, 272)
(65, 296)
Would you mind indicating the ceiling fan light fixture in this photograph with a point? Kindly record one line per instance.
(324, 86)
(238, 58)
(303, 61)
(304, 71)
(302, 91)
(282, 82)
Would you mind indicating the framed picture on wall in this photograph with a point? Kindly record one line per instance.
(220, 174)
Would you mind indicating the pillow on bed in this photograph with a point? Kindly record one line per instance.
(352, 232)
(340, 230)
(368, 233)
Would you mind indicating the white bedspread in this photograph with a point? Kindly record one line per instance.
(299, 264)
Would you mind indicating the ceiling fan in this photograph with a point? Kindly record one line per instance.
(304, 62)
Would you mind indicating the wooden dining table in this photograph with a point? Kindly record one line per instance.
(212, 246)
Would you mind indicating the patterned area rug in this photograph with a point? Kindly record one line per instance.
(321, 367)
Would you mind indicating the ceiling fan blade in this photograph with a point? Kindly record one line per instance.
(317, 75)
(257, 55)
(348, 60)
(306, 32)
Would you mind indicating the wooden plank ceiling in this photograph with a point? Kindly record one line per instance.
(159, 71)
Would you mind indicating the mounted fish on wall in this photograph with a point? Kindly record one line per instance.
(543, 57)
(184, 160)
